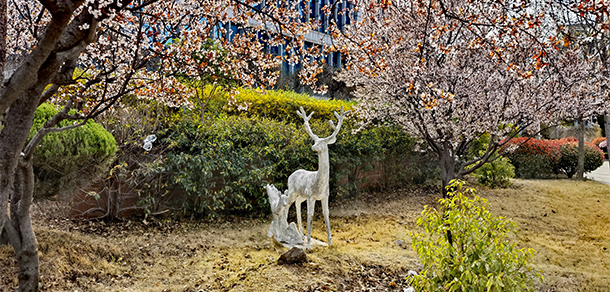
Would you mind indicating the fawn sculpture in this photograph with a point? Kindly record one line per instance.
(280, 229)
(312, 186)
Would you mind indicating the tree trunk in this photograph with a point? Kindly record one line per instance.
(607, 125)
(17, 185)
(3, 7)
(447, 164)
(27, 256)
(581, 150)
(3, 16)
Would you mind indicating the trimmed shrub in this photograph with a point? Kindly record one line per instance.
(532, 158)
(496, 173)
(230, 160)
(568, 163)
(602, 144)
(466, 248)
(570, 139)
(598, 140)
(222, 166)
(277, 105)
(545, 158)
(69, 160)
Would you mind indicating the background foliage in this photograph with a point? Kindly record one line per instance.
(69, 160)
(219, 164)
(547, 158)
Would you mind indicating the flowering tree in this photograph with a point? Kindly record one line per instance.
(586, 24)
(451, 71)
(84, 55)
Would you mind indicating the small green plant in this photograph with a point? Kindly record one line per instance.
(496, 173)
(72, 159)
(568, 163)
(466, 248)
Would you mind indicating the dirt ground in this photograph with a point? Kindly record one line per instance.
(566, 222)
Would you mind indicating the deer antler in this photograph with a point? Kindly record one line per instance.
(301, 112)
(336, 129)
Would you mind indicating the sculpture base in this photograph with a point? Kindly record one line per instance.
(314, 243)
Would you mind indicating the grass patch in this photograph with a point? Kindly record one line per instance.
(566, 221)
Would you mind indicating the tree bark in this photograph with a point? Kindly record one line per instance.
(27, 257)
(20, 191)
(3, 16)
(447, 164)
(607, 125)
(580, 172)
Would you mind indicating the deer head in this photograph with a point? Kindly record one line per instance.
(320, 144)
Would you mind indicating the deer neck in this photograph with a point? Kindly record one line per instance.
(323, 166)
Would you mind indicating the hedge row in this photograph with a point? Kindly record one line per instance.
(69, 160)
(546, 158)
(221, 163)
(275, 104)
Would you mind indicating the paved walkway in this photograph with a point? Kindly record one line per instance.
(601, 174)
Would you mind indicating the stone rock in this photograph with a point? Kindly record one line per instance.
(294, 255)
(410, 289)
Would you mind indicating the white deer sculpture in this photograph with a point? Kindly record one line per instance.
(312, 186)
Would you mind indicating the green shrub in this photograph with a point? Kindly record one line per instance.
(545, 158)
(277, 105)
(466, 248)
(533, 158)
(568, 163)
(496, 173)
(223, 165)
(69, 160)
(220, 163)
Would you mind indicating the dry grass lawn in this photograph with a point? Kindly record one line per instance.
(567, 222)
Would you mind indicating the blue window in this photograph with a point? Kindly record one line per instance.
(338, 59)
(260, 5)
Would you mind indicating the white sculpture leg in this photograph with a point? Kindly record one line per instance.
(311, 204)
(297, 204)
(325, 211)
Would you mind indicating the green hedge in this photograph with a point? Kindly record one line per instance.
(594, 158)
(69, 160)
(278, 105)
(217, 161)
(548, 158)
(230, 160)
(223, 165)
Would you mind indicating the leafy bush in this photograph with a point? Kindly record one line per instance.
(496, 173)
(598, 140)
(229, 161)
(69, 160)
(568, 163)
(220, 163)
(223, 165)
(532, 158)
(570, 139)
(277, 105)
(602, 144)
(543, 158)
(466, 248)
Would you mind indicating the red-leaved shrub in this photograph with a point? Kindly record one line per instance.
(598, 140)
(544, 158)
